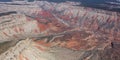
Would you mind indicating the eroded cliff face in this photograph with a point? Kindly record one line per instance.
(59, 31)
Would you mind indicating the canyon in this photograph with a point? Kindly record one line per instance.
(45, 30)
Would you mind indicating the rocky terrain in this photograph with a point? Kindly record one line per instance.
(44, 30)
